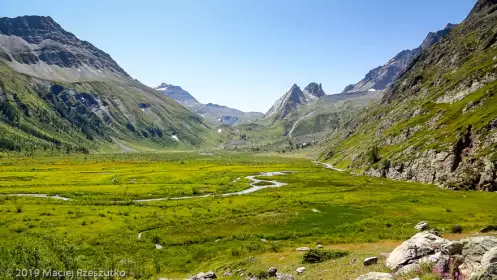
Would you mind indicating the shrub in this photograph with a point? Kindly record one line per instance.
(317, 256)
(373, 155)
(262, 274)
(156, 239)
(18, 208)
(456, 229)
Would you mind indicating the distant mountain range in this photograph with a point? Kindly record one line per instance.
(383, 76)
(310, 115)
(212, 113)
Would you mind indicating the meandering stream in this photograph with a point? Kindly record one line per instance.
(254, 187)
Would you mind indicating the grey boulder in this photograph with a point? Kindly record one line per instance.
(421, 226)
(272, 271)
(204, 276)
(408, 269)
(420, 245)
(376, 276)
(486, 272)
(475, 247)
(370, 261)
(489, 257)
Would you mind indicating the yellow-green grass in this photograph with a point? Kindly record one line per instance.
(98, 228)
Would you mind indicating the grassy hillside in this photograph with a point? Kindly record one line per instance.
(437, 122)
(39, 115)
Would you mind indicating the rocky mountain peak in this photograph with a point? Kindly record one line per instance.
(381, 77)
(295, 93)
(169, 87)
(314, 90)
(177, 93)
(33, 29)
(40, 47)
(291, 100)
(295, 87)
(433, 37)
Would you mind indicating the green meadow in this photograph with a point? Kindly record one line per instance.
(98, 228)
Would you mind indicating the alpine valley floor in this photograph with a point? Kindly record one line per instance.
(110, 220)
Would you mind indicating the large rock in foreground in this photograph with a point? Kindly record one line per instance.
(420, 245)
(472, 258)
(204, 276)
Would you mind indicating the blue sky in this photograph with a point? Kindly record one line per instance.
(246, 53)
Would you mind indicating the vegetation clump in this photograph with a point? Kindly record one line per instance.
(321, 255)
(456, 229)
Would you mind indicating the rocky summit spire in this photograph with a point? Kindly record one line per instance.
(290, 101)
(314, 90)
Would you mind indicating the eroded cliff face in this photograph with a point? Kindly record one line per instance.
(438, 122)
(461, 167)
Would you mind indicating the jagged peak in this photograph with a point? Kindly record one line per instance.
(164, 86)
(18, 26)
(295, 86)
(434, 37)
(450, 25)
(314, 89)
(32, 20)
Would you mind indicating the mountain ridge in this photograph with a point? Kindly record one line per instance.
(40, 47)
(437, 122)
(383, 76)
(215, 114)
(293, 99)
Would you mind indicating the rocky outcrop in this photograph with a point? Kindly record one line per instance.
(422, 226)
(204, 276)
(468, 258)
(457, 168)
(420, 245)
(314, 91)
